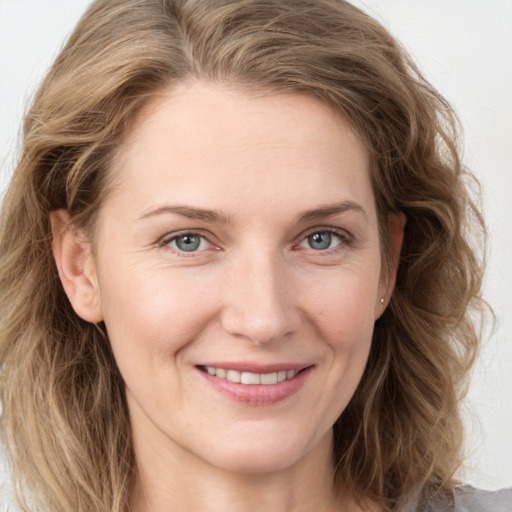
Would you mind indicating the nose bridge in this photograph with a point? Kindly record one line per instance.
(258, 305)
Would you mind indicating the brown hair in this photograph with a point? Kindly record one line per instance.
(65, 421)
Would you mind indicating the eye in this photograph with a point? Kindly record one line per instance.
(187, 242)
(322, 240)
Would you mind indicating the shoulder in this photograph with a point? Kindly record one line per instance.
(469, 499)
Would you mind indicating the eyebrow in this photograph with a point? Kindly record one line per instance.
(210, 216)
(329, 210)
(217, 217)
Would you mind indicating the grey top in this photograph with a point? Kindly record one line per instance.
(469, 499)
(474, 500)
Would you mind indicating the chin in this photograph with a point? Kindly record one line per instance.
(264, 461)
(264, 454)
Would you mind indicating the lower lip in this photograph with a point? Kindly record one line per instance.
(258, 394)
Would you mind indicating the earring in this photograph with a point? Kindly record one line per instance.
(382, 301)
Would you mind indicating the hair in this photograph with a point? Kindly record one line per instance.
(65, 421)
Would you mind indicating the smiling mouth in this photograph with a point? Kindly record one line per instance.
(250, 378)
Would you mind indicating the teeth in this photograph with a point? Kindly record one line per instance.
(251, 378)
(269, 378)
(233, 376)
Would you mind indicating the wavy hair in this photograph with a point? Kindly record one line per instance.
(65, 421)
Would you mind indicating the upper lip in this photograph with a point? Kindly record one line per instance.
(256, 367)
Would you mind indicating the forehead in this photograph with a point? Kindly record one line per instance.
(206, 142)
(190, 108)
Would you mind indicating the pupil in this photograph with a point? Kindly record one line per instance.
(320, 241)
(188, 243)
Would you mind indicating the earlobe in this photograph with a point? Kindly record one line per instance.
(76, 267)
(396, 223)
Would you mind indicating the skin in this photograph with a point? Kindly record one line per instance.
(276, 170)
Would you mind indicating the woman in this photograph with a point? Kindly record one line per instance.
(244, 230)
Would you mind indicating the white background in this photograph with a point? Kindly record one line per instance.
(465, 49)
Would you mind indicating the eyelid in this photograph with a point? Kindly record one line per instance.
(345, 237)
(168, 238)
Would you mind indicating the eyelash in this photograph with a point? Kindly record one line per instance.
(167, 240)
(345, 240)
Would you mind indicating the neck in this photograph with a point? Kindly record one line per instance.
(176, 482)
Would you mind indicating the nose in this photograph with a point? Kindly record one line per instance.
(259, 301)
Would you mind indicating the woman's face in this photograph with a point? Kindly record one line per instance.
(240, 242)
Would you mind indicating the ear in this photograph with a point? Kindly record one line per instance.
(396, 223)
(76, 267)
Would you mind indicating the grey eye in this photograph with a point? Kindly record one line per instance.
(187, 243)
(320, 241)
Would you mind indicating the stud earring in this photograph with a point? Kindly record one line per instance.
(382, 301)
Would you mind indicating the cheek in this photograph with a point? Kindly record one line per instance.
(151, 314)
(341, 310)
(342, 306)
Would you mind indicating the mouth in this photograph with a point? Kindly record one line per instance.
(254, 384)
(251, 378)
